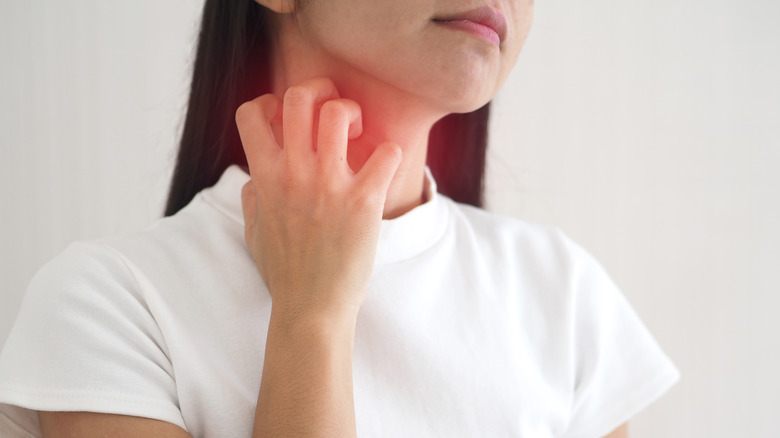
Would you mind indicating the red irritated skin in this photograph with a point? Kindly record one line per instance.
(486, 22)
(379, 72)
(407, 63)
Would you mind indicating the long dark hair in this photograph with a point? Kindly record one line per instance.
(232, 66)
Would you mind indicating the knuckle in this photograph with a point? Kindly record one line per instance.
(393, 151)
(333, 110)
(298, 95)
(323, 83)
(246, 112)
(255, 110)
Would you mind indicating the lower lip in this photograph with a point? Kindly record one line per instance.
(470, 26)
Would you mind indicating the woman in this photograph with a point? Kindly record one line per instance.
(309, 280)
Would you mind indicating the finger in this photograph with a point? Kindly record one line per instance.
(253, 120)
(377, 173)
(300, 103)
(340, 119)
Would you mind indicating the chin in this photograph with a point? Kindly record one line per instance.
(472, 106)
(462, 101)
(467, 94)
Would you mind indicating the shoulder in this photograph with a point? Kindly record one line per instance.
(521, 241)
(539, 264)
(205, 221)
(78, 273)
(85, 339)
(202, 231)
(601, 352)
(123, 266)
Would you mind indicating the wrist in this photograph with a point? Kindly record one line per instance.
(295, 321)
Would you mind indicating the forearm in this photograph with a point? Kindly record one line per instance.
(306, 386)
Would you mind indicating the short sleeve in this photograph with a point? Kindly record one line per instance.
(85, 340)
(618, 367)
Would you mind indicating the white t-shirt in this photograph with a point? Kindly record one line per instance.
(474, 325)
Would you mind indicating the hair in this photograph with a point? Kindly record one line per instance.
(232, 66)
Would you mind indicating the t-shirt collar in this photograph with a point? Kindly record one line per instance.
(400, 238)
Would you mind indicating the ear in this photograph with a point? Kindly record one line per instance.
(279, 6)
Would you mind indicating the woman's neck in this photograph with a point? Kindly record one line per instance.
(387, 114)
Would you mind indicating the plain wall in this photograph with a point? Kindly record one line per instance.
(649, 131)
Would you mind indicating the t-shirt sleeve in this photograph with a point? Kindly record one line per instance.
(618, 367)
(85, 340)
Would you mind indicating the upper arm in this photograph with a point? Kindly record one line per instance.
(95, 425)
(620, 432)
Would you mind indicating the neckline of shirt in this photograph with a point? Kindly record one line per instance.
(400, 238)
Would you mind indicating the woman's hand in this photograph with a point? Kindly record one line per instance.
(311, 223)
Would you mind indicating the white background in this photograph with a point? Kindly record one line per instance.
(649, 131)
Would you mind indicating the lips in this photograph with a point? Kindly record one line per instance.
(484, 16)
